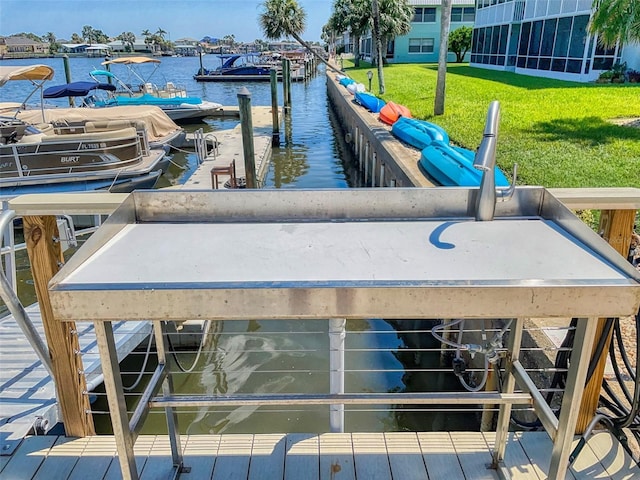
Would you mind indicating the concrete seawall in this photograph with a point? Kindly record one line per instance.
(385, 160)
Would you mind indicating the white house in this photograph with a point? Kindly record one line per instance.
(545, 38)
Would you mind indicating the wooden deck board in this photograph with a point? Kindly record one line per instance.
(537, 445)
(26, 460)
(336, 457)
(370, 456)
(61, 459)
(472, 456)
(267, 457)
(405, 456)
(612, 457)
(234, 454)
(302, 457)
(515, 459)
(439, 455)
(200, 456)
(97, 456)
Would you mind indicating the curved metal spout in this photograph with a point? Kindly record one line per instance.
(485, 160)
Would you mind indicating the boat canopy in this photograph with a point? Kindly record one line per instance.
(76, 89)
(25, 72)
(105, 73)
(131, 60)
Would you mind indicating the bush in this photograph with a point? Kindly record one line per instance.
(634, 76)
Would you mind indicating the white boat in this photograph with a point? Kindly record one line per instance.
(172, 99)
(38, 156)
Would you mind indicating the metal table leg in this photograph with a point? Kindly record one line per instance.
(504, 415)
(337, 335)
(115, 396)
(167, 390)
(576, 377)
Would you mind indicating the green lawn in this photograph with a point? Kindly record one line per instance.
(558, 132)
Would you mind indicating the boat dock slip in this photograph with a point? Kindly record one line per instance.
(230, 149)
(339, 456)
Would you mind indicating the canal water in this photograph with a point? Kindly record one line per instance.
(264, 357)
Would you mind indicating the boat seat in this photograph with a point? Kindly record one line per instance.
(94, 136)
(102, 125)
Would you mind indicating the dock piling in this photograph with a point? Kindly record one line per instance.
(45, 257)
(275, 141)
(246, 123)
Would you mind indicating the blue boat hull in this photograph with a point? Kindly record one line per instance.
(453, 166)
(369, 101)
(418, 133)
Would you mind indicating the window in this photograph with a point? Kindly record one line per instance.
(578, 36)
(421, 45)
(463, 14)
(424, 15)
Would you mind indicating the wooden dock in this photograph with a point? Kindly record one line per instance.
(27, 393)
(335, 456)
(230, 149)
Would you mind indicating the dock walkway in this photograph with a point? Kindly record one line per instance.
(230, 148)
(27, 393)
(335, 456)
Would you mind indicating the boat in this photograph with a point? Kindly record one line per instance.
(37, 75)
(390, 113)
(174, 100)
(77, 89)
(453, 166)
(161, 131)
(418, 133)
(239, 68)
(369, 101)
(40, 158)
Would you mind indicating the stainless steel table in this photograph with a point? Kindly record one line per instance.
(391, 253)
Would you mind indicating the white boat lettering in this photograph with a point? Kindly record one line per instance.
(69, 159)
(6, 165)
(93, 146)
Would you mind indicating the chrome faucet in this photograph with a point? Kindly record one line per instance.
(485, 160)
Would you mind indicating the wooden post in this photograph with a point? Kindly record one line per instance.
(617, 227)
(275, 137)
(285, 87)
(246, 124)
(67, 75)
(289, 84)
(45, 256)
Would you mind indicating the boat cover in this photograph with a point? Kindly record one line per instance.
(131, 60)
(25, 72)
(157, 122)
(76, 89)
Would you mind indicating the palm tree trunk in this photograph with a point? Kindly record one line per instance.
(308, 47)
(378, 40)
(356, 50)
(445, 21)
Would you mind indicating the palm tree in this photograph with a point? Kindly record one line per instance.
(615, 21)
(445, 23)
(147, 38)
(161, 33)
(127, 39)
(395, 19)
(50, 37)
(375, 10)
(282, 18)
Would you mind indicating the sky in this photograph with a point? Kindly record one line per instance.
(192, 19)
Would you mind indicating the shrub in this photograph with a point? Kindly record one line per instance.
(634, 76)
